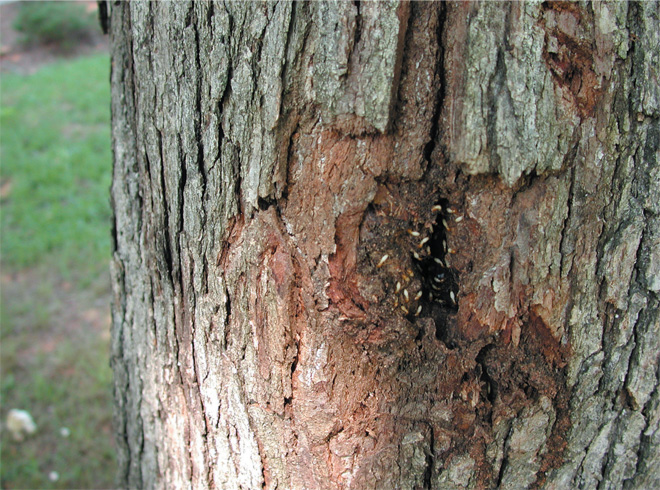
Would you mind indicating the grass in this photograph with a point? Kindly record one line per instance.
(55, 244)
(55, 153)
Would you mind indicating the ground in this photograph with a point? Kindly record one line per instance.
(55, 292)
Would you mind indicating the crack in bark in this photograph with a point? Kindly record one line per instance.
(442, 79)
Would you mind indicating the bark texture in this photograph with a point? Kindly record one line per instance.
(384, 245)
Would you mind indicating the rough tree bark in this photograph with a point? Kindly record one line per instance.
(286, 314)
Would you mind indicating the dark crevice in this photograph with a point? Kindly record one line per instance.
(482, 360)
(140, 430)
(294, 365)
(290, 155)
(238, 179)
(183, 180)
(205, 276)
(439, 282)
(564, 244)
(634, 21)
(440, 97)
(209, 16)
(500, 474)
(266, 202)
(494, 97)
(113, 227)
(198, 126)
(177, 275)
(358, 26)
(166, 238)
(188, 19)
(285, 65)
(227, 318)
(430, 457)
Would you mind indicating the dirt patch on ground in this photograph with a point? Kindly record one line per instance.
(55, 310)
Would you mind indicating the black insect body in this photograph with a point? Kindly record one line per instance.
(439, 281)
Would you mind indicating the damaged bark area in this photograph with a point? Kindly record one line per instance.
(383, 245)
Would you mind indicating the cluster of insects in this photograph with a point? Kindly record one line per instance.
(426, 279)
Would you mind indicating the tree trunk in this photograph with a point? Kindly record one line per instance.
(386, 245)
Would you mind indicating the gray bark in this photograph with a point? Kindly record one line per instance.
(277, 170)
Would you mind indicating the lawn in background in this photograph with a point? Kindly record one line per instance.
(55, 171)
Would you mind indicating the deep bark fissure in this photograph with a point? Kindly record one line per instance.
(496, 88)
(434, 134)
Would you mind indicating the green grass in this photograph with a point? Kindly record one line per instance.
(55, 171)
(55, 154)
